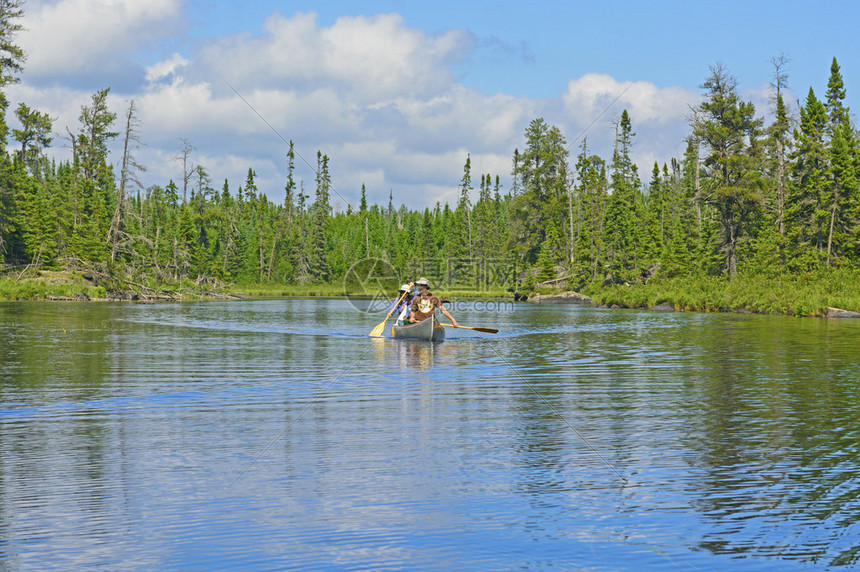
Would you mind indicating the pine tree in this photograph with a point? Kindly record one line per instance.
(290, 188)
(548, 256)
(729, 129)
(806, 210)
(837, 113)
(543, 200)
(12, 58)
(34, 136)
(843, 156)
(844, 189)
(321, 210)
(653, 235)
(620, 227)
(461, 238)
(590, 205)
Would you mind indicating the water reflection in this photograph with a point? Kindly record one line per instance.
(420, 355)
(123, 427)
(778, 423)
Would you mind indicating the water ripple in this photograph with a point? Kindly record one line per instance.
(277, 435)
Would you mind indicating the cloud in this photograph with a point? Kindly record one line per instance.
(165, 68)
(375, 95)
(372, 57)
(73, 37)
(590, 94)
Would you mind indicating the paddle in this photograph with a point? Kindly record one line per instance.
(487, 330)
(377, 331)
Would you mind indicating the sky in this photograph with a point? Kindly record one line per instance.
(398, 93)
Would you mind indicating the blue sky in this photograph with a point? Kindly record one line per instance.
(398, 93)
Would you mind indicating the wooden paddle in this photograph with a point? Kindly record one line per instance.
(377, 331)
(487, 330)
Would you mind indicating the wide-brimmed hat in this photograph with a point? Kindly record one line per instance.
(422, 282)
(403, 288)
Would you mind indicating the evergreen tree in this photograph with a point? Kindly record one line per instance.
(321, 209)
(729, 129)
(548, 256)
(96, 122)
(843, 190)
(460, 244)
(653, 234)
(290, 188)
(543, 200)
(837, 113)
(12, 59)
(806, 210)
(12, 56)
(620, 227)
(34, 135)
(591, 195)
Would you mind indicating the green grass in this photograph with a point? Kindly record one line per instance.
(805, 295)
(337, 290)
(797, 295)
(39, 289)
(271, 289)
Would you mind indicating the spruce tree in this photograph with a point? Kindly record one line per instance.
(806, 210)
(729, 129)
(620, 231)
(843, 191)
(321, 212)
(837, 113)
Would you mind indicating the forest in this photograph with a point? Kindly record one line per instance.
(751, 213)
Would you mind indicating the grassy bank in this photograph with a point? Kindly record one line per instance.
(66, 284)
(46, 285)
(279, 290)
(805, 295)
(338, 290)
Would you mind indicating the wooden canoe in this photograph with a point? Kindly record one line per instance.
(430, 330)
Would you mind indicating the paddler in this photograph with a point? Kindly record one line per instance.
(424, 304)
(404, 295)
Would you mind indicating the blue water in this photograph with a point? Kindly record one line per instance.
(276, 435)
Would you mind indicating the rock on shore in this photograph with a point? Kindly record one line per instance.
(839, 313)
(560, 298)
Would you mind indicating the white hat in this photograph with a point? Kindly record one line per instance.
(404, 288)
(422, 282)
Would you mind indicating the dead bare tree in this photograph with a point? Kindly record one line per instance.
(128, 173)
(183, 156)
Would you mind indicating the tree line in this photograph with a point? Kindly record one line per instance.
(744, 197)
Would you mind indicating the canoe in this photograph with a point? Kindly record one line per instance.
(430, 330)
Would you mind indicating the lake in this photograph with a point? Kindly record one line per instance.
(274, 434)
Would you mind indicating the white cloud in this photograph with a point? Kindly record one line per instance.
(165, 68)
(373, 57)
(590, 94)
(375, 95)
(70, 36)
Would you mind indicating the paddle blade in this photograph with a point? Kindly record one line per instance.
(377, 331)
(487, 330)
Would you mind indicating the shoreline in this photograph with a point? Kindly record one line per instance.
(836, 295)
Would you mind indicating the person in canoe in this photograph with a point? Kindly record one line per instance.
(404, 306)
(424, 304)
